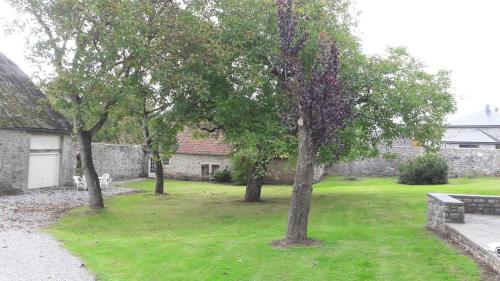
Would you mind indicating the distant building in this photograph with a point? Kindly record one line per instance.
(476, 130)
(195, 159)
(201, 158)
(35, 142)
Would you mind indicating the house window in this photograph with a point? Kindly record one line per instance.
(497, 146)
(166, 161)
(215, 168)
(468, 145)
(205, 171)
(152, 166)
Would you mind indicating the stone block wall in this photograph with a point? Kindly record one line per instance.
(451, 208)
(67, 167)
(14, 160)
(120, 161)
(475, 250)
(442, 209)
(477, 204)
(461, 162)
(280, 171)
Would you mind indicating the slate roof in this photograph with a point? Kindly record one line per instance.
(23, 105)
(207, 146)
(488, 117)
(472, 135)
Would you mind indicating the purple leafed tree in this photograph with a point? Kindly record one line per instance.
(321, 109)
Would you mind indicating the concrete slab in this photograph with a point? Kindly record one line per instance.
(474, 236)
(480, 229)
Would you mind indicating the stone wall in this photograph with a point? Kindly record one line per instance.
(477, 204)
(281, 171)
(442, 209)
(14, 160)
(188, 166)
(67, 167)
(451, 208)
(120, 161)
(475, 250)
(461, 162)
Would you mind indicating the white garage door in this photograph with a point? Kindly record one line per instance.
(44, 170)
(44, 161)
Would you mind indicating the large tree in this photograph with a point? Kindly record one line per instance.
(240, 100)
(348, 109)
(89, 64)
(166, 44)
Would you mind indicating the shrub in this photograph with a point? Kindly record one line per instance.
(424, 169)
(222, 176)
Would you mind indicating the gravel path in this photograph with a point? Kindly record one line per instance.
(26, 254)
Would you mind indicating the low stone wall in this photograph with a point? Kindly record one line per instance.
(122, 162)
(475, 250)
(461, 162)
(451, 208)
(477, 204)
(280, 171)
(444, 208)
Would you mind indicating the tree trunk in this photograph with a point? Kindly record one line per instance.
(158, 172)
(91, 177)
(254, 187)
(302, 189)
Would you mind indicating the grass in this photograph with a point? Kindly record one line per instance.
(372, 229)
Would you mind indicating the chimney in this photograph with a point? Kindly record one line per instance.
(488, 110)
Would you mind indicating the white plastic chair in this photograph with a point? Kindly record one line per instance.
(80, 182)
(105, 181)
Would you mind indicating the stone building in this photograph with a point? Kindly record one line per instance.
(35, 142)
(200, 158)
(477, 130)
(195, 158)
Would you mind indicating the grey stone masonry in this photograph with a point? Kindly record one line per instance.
(120, 161)
(451, 208)
(442, 209)
(14, 160)
(477, 204)
(462, 162)
(446, 216)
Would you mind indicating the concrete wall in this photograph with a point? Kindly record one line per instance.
(461, 162)
(14, 160)
(188, 166)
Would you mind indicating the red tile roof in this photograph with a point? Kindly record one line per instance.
(208, 146)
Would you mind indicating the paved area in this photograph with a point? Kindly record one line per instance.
(480, 229)
(26, 254)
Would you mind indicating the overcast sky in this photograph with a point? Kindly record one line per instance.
(461, 36)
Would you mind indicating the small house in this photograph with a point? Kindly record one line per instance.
(35, 142)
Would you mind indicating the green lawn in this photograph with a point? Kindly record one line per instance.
(372, 229)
